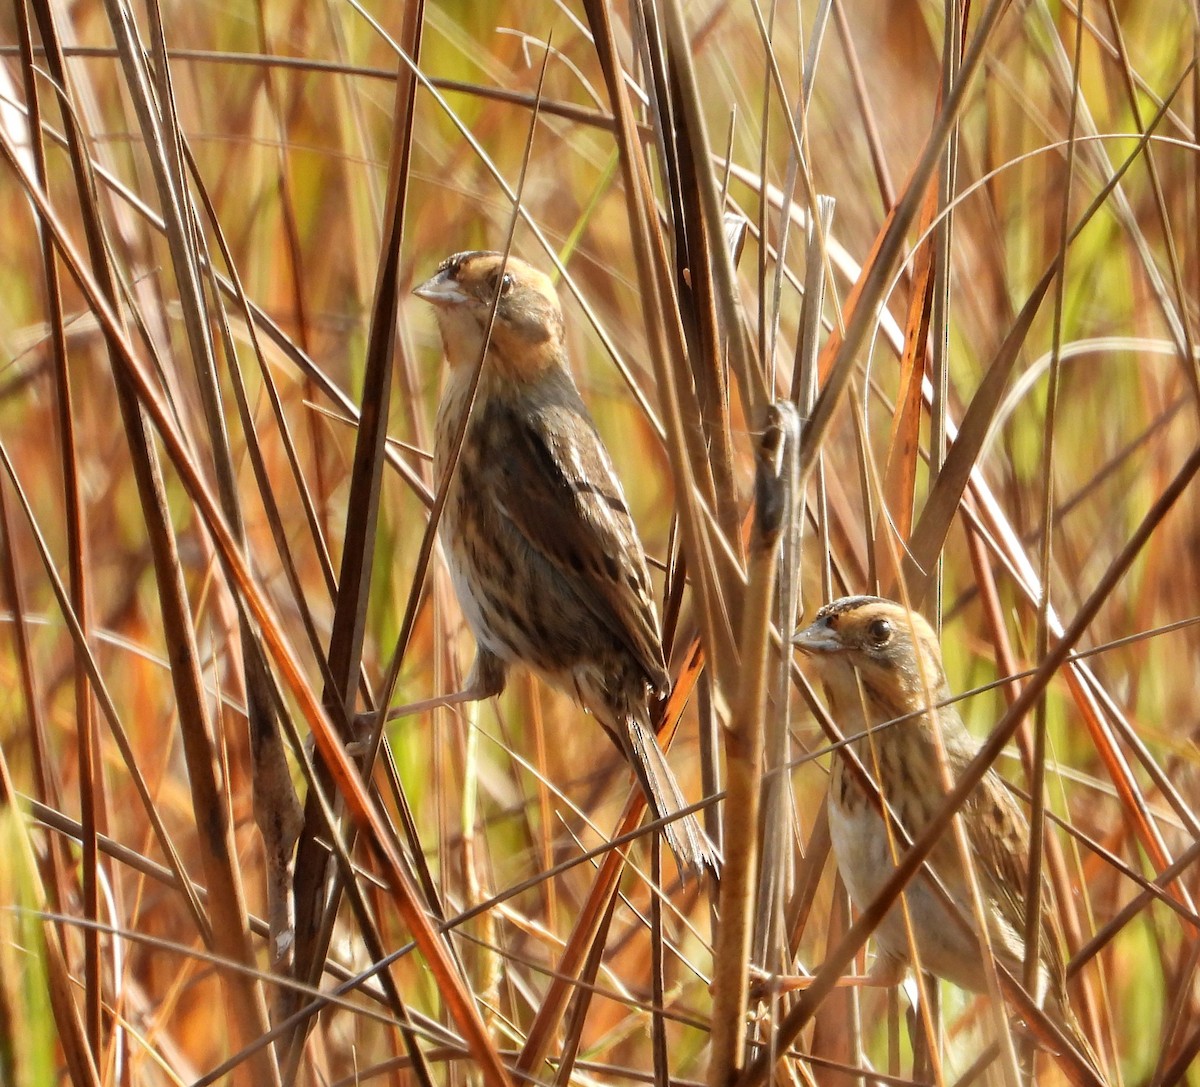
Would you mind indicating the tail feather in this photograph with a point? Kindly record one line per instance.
(1064, 1018)
(685, 836)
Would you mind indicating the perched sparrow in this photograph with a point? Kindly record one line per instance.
(542, 550)
(878, 662)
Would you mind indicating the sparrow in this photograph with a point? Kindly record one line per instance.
(543, 553)
(879, 662)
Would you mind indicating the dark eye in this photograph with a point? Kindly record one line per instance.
(506, 282)
(879, 631)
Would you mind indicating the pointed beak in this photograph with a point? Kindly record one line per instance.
(816, 639)
(441, 290)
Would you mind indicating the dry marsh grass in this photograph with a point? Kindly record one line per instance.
(213, 217)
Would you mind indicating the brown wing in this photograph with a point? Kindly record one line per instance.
(1000, 837)
(553, 481)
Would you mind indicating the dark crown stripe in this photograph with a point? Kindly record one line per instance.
(849, 603)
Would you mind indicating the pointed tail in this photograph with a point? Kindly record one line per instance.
(685, 836)
(1059, 1010)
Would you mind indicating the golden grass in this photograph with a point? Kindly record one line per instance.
(1050, 306)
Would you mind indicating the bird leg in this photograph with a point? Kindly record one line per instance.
(486, 680)
(364, 721)
(887, 970)
(762, 985)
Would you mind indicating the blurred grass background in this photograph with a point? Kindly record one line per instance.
(288, 110)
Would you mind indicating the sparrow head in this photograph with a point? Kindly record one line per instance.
(527, 336)
(892, 651)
